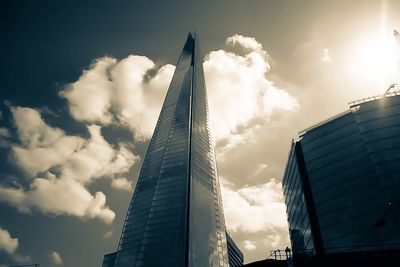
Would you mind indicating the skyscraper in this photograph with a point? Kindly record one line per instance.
(175, 217)
(342, 181)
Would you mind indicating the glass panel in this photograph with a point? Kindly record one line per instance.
(154, 233)
(175, 217)
(353, 164)
(207, 240)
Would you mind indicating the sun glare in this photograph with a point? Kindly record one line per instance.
(378, 58)
(375, 55)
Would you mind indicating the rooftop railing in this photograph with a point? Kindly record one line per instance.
(352, 105)
(358, 102)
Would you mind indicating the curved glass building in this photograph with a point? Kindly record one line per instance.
(342, 181)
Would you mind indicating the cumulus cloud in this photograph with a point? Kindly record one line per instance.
(120, 91)
(122, 184)
(326, 55)
(246, 42)
(41, 146)
(65, 165)
(273, 239)
(59, 196)
(7, 243)
(56, 258)
(96, 159)
(254, 208)
(89, 97)
(239, 91)
(249, 245)
(130, 92)
(259, 168)
(108, 235)
(10, 245)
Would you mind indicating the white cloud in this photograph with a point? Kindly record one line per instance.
(254, 208)
(10, 245)
(129, 93)
(56, 258)
(120, 91)
(245, 42)
(259, 168)
(249, 245)
(123, 92)
(59, 196)
(326, 55)
(273, 239)
(32, 130)
(97, 158)
(108, 235)
(7, 243)
(122, 184)
(90, 97)
(66, 164)
(239, 91)
(41, 146)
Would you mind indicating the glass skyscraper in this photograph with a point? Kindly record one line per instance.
(175, 217)
(342, 181)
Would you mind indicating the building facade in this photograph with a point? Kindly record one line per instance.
(342, 181)
(175, 217)
(235, 256)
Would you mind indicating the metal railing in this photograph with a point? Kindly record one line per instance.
(352, 104)
(280, 254)
(372, 98)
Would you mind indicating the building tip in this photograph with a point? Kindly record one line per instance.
(189, 44)
(192, 35)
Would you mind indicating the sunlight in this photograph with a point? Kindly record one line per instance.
(375, 55)
(378, 59)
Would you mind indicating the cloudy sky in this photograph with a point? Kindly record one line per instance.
(82, 84)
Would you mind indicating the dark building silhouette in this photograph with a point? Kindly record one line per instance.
(175, 217)
(342, 186)
(268, 263)
(109, 259)
(234, 254)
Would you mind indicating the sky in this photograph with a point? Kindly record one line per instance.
(82, 83)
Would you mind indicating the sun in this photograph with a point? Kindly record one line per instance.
(378, 58)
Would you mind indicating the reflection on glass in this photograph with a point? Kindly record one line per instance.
(175, 217)
(353, 165)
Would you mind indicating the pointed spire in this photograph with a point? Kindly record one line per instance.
(189, 44)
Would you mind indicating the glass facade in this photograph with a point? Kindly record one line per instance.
(352, 165)
(109, 260)
(299, 222)
(235, 255)
(175, 217)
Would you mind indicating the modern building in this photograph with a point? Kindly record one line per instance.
(342, 182)
(175, 217)
(109, 259)
(235, 256)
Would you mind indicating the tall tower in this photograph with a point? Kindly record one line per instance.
(175, 217)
